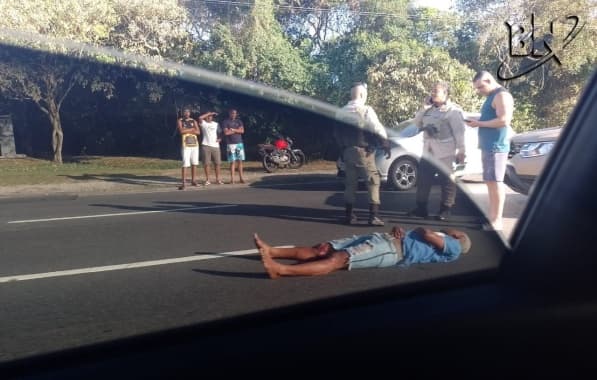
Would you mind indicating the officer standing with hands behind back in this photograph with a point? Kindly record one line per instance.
(358, 142)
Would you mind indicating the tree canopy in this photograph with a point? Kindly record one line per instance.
(317, 48)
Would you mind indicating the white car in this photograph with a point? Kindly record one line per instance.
(401, 169)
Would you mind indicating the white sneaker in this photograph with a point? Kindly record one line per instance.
(207, 183)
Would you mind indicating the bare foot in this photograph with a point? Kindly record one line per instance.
(260, 243)
(269, 264)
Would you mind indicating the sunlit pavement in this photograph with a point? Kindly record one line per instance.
(515, 203)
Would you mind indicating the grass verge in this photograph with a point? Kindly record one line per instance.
(32, 171)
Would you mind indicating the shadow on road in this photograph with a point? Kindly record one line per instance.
(300, 182)
(232, 274)
(254, 257)
(465, 215)
(126, 179)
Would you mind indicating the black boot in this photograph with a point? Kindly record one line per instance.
(350, 218)
(420, 211)
(444, 213)
(373, 215)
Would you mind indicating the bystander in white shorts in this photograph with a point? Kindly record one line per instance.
(190, 156)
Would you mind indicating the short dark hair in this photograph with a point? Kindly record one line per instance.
(445, 85)
(480, 74)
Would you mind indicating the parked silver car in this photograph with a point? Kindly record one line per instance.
(528, 154)
(400, 171)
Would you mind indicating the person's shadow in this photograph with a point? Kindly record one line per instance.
(212, 272)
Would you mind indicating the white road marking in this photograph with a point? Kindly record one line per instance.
(116, 214)
(140, 264)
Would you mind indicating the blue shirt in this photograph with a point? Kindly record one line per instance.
(416, 250)
(235, 138)
(492, 139)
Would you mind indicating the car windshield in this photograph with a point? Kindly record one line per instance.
(158, 157)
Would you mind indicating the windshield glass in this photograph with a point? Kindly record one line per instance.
(161, 161)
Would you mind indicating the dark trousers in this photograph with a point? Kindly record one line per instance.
(359, 163)
(427, 178)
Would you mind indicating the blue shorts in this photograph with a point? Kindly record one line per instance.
(369, 251)
(236, 152)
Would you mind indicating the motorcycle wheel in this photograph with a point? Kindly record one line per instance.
(300, 160)
(268, 164)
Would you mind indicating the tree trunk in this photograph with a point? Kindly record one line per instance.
(57, 135)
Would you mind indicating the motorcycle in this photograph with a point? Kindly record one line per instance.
(281, 155)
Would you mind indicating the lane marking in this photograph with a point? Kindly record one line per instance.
(139, 264)
(116, 214)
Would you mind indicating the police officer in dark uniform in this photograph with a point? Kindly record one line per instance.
(358, 143)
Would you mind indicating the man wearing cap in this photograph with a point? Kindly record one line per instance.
(375, 250)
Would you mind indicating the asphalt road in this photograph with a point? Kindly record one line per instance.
(80, 270)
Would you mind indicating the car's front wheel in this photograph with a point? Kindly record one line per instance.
(403, 174)
(515, 183)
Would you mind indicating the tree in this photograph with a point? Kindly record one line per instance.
(311, 22)
(154, 28)
(256, 49)
(392, 50)
(404, 73)
(549, 92)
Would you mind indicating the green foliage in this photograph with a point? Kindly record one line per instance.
(309, 22)
(525, 117)
(347, 61)
(257, 50)
(377, 16)
(155, 28)
(310, 47)
(226, 54)
(404, 74)
(271, 58)
(552, 88)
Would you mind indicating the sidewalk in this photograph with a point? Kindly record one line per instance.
(513, 207)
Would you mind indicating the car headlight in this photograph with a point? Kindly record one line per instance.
(536, 149)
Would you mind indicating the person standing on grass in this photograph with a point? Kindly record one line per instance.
(210, 146)
(189, 132)
(233, 131)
